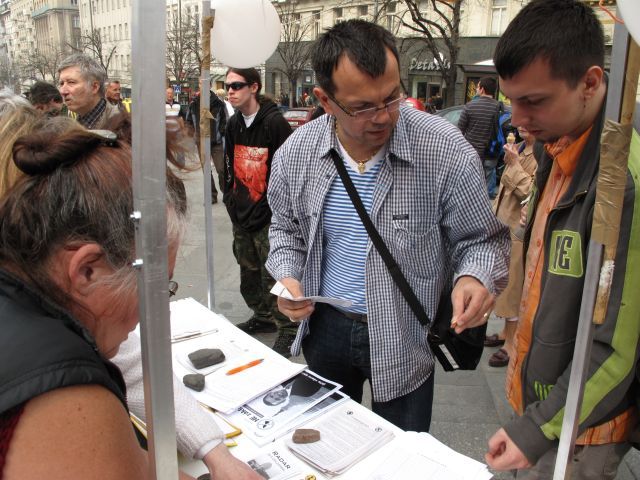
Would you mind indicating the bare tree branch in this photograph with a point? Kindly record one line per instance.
(293, 47)
(439, 29)
(91, 44)
(183, 48)
(42, 62)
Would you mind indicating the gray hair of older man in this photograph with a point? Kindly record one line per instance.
(9, 101)
(90, 69)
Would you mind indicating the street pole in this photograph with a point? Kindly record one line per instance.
(205, 142)
(150, 217)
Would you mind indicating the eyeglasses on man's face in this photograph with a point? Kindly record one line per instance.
(368, 113)
(235, 85)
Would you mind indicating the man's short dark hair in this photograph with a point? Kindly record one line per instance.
(489, 85)
(566, 33)
(364, 43)
(41, 93)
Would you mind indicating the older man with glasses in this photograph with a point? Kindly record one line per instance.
(422, 186)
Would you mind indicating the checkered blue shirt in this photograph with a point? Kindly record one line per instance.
(430, 207)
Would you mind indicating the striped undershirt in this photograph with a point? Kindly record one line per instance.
(344, 240)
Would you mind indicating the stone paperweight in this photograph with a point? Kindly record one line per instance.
(194, 381)
(206, 357)
(305, 435)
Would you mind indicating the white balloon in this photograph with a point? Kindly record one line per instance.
(245, 32)
(630, 11)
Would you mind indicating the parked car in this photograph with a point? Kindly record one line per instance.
(452, 113)
(298, 116)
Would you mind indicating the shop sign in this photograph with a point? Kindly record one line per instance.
(426, 65)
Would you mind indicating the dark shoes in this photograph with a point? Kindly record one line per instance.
(493, 341)
(253, 326)
(499, 359)
(283, 344)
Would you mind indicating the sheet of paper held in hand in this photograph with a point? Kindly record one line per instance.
(226, 392)
(281, 291)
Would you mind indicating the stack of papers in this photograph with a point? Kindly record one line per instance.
(346, 437)
(225, 391)
(271, 415)
(419, 455)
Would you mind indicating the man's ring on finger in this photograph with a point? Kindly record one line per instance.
(486, 315)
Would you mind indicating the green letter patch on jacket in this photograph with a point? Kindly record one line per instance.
(565, 255)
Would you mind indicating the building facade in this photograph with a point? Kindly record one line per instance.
(106, 34)
(480, 25)
(102, 28)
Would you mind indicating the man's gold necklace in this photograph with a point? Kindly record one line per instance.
(361, 163)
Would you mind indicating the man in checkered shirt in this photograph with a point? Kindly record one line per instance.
(423, 187)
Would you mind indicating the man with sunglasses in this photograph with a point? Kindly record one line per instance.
(253, 134)
(423, 187)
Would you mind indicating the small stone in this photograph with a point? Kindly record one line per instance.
(205, 357)
(305, 435)
(194, 381)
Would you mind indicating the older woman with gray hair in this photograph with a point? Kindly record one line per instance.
(68, 294)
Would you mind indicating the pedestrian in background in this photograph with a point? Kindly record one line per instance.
(46, 98)
(515, 186)
(82, 86)
(222, 95)
(477, 124)
(217, 129)
(253, 135)
(112, 94)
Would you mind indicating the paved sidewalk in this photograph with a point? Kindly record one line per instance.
(468, 406)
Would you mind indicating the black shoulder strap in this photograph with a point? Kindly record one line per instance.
(384, 252)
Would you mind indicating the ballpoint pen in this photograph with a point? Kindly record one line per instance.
(241, 368)
(180, 337)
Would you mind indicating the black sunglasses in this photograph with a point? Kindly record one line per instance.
(235, 85)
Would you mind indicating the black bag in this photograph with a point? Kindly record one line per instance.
(454, 351)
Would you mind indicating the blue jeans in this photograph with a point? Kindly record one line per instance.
(337, 348)
(491, 178)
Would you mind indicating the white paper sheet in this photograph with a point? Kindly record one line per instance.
(420, 455)
(281, 291)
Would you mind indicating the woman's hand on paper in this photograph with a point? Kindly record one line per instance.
(224, 466)
(295, 310)
(503, 454)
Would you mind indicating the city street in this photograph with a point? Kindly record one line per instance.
(468, 406)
